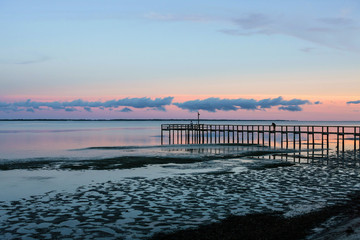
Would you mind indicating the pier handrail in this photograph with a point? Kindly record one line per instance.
(277, 128)
(267, 125)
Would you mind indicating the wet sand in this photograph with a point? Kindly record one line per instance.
(138, 208)
(340, 221)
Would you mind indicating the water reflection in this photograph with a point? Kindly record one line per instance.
(54, 139)
(349, 158)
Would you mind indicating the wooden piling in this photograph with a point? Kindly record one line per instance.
(237, 134)
(274, 137)
(327, 137)
(299, 137)
(281, 136)
(337, 140)
(313, 137)
(355, 139)
(287, 138)
(294, 137)
(343, 139)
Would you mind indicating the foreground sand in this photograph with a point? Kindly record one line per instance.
(137, 208)
(331, 223)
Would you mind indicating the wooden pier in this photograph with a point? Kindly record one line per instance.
(283, 136)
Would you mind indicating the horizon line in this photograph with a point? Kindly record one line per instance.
(163, 119)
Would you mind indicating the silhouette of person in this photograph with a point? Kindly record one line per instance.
(274, 126)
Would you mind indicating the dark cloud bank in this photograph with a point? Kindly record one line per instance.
(159, 104)
(76, 105)
(214, 104)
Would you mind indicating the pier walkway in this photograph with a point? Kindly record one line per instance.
(285, 136)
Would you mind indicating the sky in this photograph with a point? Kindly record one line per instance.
(229, 59)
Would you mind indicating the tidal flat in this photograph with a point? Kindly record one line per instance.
(190, 195)
(57, 187)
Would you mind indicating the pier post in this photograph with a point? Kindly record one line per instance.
(207, 134)
(162, 136)
(182, 133)
(173, 136)
(343, 139)
(215, 134)
(219, 134)
(177, 134)
(327, 138)
(229, 132)
(322, 141)
(193, 134)
(337, 140)
(294, 137)
(252, 134)
(322, 138)
(307, 136)
(247, 134)
(203, 133)
(242, 134)
(237, 134)
(287, 137)
(233, 134)
(188, 136)
(269, 140)
(313, 137)
(354, 142)
(299, 138)
(274, 137)
(281, 136)
(263, 135)
(169, 134)
(224, 134)
(269, 136)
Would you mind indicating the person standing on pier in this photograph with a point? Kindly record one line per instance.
(274, 126)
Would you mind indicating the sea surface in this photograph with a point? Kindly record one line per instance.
(113, 179)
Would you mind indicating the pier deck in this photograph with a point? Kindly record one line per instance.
(284, 136)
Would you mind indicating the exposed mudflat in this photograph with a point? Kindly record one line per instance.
(136, 208)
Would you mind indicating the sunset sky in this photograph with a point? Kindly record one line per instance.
(261, 59)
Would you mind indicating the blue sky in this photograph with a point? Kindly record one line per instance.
(190, 50)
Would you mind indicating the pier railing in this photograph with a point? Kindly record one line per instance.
(285, 136)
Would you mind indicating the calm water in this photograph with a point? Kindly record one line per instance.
(64, 178)
(52, 139)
